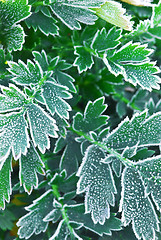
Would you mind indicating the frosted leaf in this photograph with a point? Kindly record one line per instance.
(42, 59)
(30, 165)
(13, 135)
(72, 15)
(63, 232)
(92, 118)
(25, 74)
(14, 38)
(32, 223)
(55, 213)
(133, 63)
(141, 130)
(41, 127)
(113, 12)
(97, 181)
(81, 3)
(11, 99)
(16, 11)
(12, 12)
(5, 182)
(84, 60)
(137, 207)
(150, 170)
(106, 40)
(46, 24)
(156, 17)
(54, 95)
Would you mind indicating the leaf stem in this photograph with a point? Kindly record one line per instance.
(111, 151)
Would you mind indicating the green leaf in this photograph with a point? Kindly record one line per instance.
(133, 63)
(113, 12)
(30, 165)
(69, 158)
(156, 15)
(54, 95)
(5, 182)
(92, 118)
(103, 41)
(84, 60)
(41, 127)
(137, 207)
(150, 170)
(6, 220)
(46, 24)
(11, 13)
(25, 74)
(32, 223)
(71, 15)
(12, 99)
(14, 136)
(141, 130)
(76, 215)
(97, 181)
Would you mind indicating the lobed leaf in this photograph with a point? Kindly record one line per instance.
(25, 74)
(106, 40)
(97, 181)
(54, 95)
(12, 99)
(30, 165)
(76, 215)
(113, 12)
(5, 181)
(92, 118)
(137, 207)
(141, 130)
(71, 15)
(46, 24)
(13, 135)
(12, 12)
(32, 223)
(84, 60)
(41, 126)
(133, 63)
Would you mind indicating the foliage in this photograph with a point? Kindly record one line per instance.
(80, 119)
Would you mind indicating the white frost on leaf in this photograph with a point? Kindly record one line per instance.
(41, 127)
(97, 181)
(136, 207)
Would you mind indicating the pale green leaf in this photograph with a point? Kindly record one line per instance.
(30, 165)
(32, 223)
(113, 12)
(5, 181)
(146, 3)
(136, 207)
(41, 127)
(97, 181)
